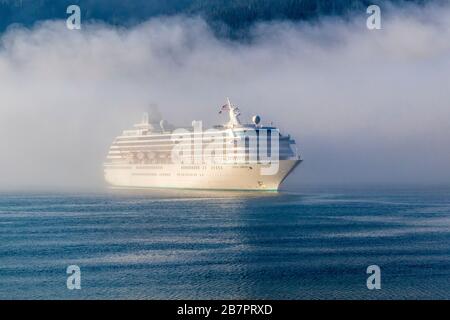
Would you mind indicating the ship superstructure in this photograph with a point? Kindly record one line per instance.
(232, 156)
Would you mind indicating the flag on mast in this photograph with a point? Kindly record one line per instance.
(224, 108)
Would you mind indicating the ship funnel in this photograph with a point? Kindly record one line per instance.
(145, 118)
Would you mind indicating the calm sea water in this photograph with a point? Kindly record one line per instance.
(314, 244)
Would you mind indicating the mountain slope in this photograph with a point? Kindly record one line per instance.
(234, 14)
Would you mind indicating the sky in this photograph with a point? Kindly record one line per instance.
(366, 107)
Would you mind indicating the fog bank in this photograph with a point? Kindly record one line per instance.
(366, 107)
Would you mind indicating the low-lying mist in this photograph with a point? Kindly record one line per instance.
(366, 107)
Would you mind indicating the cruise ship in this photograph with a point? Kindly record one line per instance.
(232, 156)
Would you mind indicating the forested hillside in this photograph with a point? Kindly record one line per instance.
(236, 14)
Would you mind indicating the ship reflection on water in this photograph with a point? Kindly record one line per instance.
(200, 244)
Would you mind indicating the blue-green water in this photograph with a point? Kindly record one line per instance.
(155, 245)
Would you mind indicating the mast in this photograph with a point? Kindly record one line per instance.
(233, 112)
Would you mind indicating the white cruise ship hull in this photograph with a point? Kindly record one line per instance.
(217, 177)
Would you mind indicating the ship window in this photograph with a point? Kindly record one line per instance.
(247, 146)
(257, 145)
